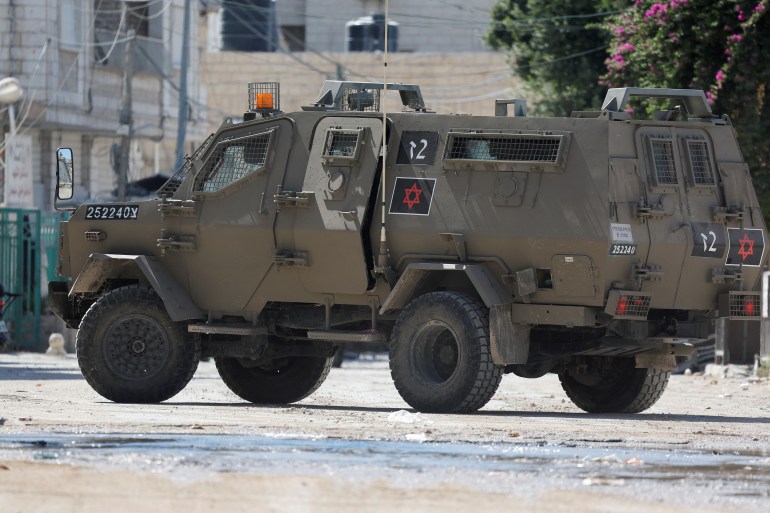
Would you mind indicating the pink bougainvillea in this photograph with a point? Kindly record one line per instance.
(692, 42)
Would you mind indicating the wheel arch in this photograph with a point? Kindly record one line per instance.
(101, 267)
(417, 277)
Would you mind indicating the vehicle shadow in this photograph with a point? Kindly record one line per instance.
(295, 406)
(656, 417)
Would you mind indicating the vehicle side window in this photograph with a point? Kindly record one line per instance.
(700, 163)
(234, 159)
(662, 153)
(511, 148)
(479, 149)
(342, 144)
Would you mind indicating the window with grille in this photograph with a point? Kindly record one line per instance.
(662, 153)
(700, 163)
(234, 159)
(530, 148)
(169, 188)
(341, 143)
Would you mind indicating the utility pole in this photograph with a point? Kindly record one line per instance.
(126, 115)
(182, 117)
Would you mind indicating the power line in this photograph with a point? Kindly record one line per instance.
(564, 58)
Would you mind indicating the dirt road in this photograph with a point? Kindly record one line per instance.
(356, 446)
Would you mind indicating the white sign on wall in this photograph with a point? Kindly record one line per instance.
(19, 189)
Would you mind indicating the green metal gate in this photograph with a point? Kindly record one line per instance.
(28, 246)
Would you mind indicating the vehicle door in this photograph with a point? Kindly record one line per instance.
(332, 235)
(662, 208)
(234, 186)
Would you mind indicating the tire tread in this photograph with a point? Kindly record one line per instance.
(142, 297)
(488, 375)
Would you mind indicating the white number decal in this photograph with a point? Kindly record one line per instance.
(111, 212)
(413, 145)
(623, 249)
(706, 246)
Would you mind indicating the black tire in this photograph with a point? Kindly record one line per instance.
(620, 388)
(280, 381)
(338, 358)
(130, 351)
(440, 360)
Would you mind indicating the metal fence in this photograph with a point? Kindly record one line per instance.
(28, 248)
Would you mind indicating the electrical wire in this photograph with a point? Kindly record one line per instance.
(62, 82)
(134, 10)
(114, 41)
(163, 9)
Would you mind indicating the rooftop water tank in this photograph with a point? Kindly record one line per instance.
(367, 34)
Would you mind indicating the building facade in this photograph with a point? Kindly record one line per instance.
(320, 25)
(70, 58)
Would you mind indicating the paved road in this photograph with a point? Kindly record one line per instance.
(356, 446)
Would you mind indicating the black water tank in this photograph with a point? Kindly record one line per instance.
(249, 26)
(367, 34)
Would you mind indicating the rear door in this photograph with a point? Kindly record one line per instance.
(719, 209)
(694, 234)
(663, 210)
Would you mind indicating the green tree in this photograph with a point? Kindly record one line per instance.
(558, 49)
(720, 46)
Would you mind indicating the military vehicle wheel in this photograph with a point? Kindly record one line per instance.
(280, 381)
(338, 358)
(616, 388)
(439, 354)
(130, 351)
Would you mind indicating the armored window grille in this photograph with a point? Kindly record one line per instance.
(700, 164)
(662, 151)
(342, 143)
(234, 159)
(169, 188)
(528, 148)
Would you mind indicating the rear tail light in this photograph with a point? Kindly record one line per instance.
(626, 304)
(2, 303)
(750, 309)
(741, 305)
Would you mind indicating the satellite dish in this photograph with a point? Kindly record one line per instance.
(10, 90)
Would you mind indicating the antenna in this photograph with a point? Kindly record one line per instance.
(382, 257)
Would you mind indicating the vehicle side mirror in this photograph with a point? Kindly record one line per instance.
(64, 174)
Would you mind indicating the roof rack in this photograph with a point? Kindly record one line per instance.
(364, 96)
(694, 99)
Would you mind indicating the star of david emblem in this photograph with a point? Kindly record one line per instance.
(745, 252)
(412, 196)
(746, 247)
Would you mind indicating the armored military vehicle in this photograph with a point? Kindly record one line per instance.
(595, 247)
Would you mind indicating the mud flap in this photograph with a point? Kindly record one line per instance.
(666, 362)
(509, 341)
